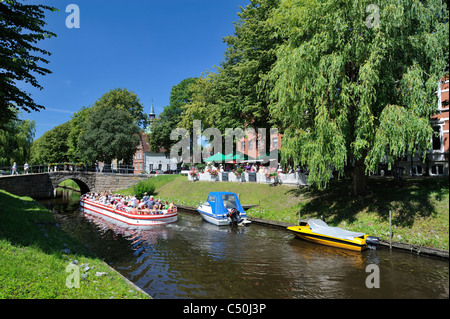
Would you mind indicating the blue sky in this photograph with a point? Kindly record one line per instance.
(143, 46)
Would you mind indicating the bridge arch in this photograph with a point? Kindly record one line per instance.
(84, 188)
(84, 182)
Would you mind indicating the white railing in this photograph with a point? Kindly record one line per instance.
(289, 179)
(70, 167)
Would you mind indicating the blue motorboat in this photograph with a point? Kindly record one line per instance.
(223, 208)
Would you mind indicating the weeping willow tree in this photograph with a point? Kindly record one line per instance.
(16, 138)
(355, 82)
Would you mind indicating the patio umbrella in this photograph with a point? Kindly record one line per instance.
(218, 157)
(234, 157)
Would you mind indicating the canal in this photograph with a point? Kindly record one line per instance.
(195, 259)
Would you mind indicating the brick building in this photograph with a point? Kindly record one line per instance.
(436, 161)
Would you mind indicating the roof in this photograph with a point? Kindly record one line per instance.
(218, 206)
(146, 145)
(221, 193)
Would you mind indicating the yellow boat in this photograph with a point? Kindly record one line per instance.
(317, 231)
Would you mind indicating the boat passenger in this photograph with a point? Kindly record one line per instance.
(155, 209)
(134, 201)
(151, 202)
(145, 197)
(145, 210)
(170, 209)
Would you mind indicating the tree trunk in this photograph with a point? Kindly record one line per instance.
(359, 178)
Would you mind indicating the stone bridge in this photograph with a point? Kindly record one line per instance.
(42, 185)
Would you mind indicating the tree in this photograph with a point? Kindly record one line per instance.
(19, 57)
(203, 105)
(52, 147)
(77, 124)
(349, 92)
(250, 54)
(16, 138)
(122, 99)
(109, 134)
(168, 120)
(234, 96)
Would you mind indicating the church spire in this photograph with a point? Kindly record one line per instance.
(152, 112)
(151, 119)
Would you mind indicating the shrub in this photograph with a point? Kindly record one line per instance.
(143, 187)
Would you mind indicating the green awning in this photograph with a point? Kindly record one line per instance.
(218, 157)
(235, 157)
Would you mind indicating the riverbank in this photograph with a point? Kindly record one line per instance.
(419, 207)
(40, 261)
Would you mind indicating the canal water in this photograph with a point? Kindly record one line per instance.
(194, 259)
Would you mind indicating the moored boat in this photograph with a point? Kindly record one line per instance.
(135, 220)
(223, 208)
(317, 231)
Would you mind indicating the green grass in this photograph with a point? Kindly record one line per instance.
(34, 254)
(157, 182)
(70, 184)
(419, 207)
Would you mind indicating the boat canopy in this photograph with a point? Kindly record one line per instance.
(220, 202)
(320, 227)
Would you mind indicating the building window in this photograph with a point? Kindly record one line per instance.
(437, 170)
(417, 170)
(250, 145)
(437, 139)
(275, 142)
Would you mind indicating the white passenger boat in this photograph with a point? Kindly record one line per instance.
(223, 208)
(163, 217)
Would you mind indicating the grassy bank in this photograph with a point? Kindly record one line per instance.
(419, 207)
(68, 183)
(35, 252)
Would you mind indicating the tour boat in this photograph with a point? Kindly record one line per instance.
(163, 217)
(223, 208)
(317, 231)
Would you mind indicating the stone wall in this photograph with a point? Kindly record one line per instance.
(33, 185)
(115, 182)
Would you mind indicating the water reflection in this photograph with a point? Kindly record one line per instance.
(195, 259)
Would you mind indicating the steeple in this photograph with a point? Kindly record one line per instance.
(152, 114)
(151, 119)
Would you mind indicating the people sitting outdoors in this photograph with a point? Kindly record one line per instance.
(131, 204)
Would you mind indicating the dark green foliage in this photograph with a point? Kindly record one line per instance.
(180, 95)
(235, 95)
(124, 100)
(21, 26)
(52, 146)
(143, 187)
(109, 134)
